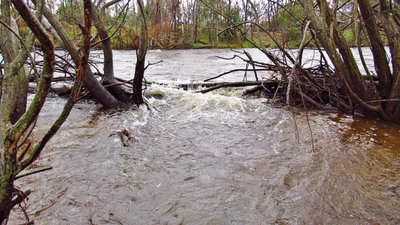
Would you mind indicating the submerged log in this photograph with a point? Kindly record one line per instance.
(210, 85)
(266, 84)
(60, 90)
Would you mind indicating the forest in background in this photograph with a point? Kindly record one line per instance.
(198, 24)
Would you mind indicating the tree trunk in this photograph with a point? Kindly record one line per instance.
(10, 47)
(90, 82)
(9, 196)
(109, 78)
(196, 19)
(392, 29)
(329, 35)
(378, 48)
(141, 57)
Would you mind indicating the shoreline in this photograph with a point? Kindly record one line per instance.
(189, 47)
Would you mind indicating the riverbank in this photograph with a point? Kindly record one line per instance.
(203, 45)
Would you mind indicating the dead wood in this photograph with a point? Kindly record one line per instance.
(270, 83)
(267, 68)
(33, 172)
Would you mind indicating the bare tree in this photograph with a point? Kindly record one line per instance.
(141, 56)
(328, 32)
(343, 85)
(90, 82)
(17, 150)
(114, 96)
(109, 78)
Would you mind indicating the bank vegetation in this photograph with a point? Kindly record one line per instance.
(331, 27)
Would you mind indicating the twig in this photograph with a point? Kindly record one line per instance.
(33, 172)
(151, 64)
(252, 64)
(117, 29)
(238, 84)
(23, 209)
(115, 84)
(290, 77)
(235, 70)
(385, 100)
(296, 128)
(256, 63)
(25, 47)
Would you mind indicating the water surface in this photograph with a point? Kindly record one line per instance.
(214, 158)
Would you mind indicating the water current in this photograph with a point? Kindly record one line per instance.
(214, 158)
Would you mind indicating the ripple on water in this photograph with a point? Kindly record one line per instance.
(214, 159)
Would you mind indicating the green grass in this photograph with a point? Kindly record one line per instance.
(247, 44)
(198, 44)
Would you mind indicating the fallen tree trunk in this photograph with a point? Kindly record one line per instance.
(264, 83)
(90, 82)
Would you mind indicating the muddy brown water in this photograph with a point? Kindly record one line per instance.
(212, 158)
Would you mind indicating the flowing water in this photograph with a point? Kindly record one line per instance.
(214, 158)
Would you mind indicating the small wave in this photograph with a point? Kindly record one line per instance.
(220, 101)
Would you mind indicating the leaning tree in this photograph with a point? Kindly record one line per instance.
(109, 92)
(338, 79)
(18, 149)
(379, 20)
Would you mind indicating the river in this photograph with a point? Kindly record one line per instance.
(214, 158)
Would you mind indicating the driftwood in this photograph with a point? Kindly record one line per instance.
(270, 68)
(265, 83)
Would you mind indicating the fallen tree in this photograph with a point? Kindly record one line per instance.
(113, 96)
